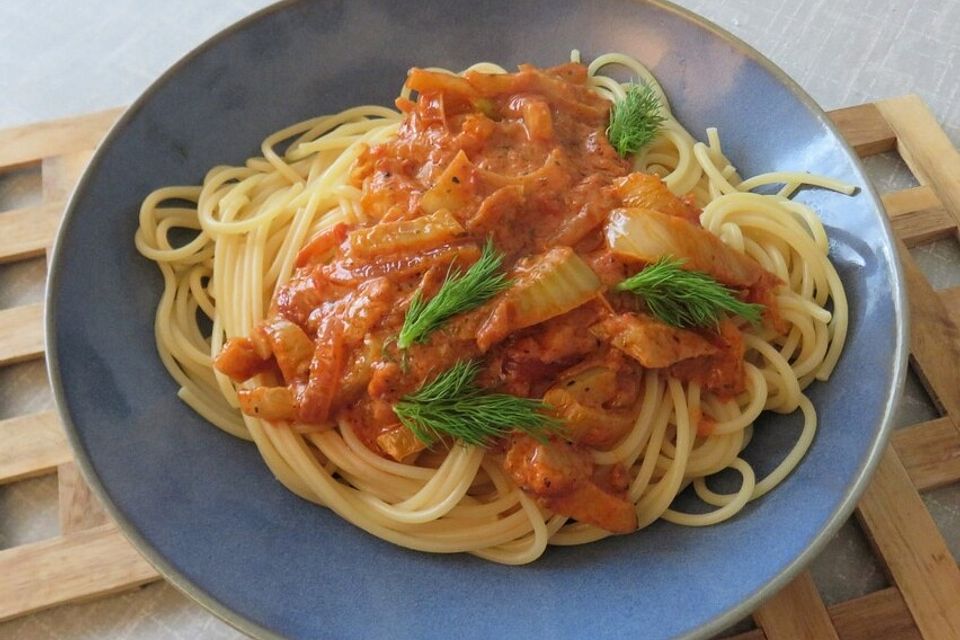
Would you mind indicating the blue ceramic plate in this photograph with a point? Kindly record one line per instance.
(203, 507)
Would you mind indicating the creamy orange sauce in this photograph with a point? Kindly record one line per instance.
(522, 158)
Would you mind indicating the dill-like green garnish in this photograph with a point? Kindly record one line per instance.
(635, 120)
(459, 292)
(453, 405)
(686, 298)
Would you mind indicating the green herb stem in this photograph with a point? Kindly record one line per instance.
(686, 298)
(459, 292)
(635, 120)
(453, 405)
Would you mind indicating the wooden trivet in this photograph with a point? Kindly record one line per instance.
(91, 557)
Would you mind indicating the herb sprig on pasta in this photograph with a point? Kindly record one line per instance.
(459, 292)
(453, 405)
(683, 298)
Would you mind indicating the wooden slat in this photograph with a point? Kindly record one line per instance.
(923, 227)
(32, 445)
(918, 216)
(951, 300)
(28, 232)
(79, 508)
(60, 174)
(925, 148)
(21, 333)
(898, 203)
(31, 143)
(882, 615)
(69, 568)
(930, 452)
(796, 613)
(934, 339)
(916, 555)
(865, 129)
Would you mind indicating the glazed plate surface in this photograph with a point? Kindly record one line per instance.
(204, 508)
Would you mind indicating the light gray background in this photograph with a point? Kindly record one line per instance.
(65, 57)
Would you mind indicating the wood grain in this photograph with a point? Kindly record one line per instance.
(904, 201)
(69, 568)
(925, 148)
(28, 232)
(930, 452)
(922, 227)
(79, 508)
(918, 216)
(32, 445)
(32, 143)
(796, 613)
(915, 554)
(882, 615)
(21, 333)
(951, 300)
(865, 129)
(934, 339)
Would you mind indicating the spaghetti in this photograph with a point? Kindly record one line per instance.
(265, 232)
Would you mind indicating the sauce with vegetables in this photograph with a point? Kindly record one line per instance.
(521, 161)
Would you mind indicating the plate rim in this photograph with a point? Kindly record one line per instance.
(709, 627)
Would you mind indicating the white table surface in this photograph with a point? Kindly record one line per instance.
(66, 57)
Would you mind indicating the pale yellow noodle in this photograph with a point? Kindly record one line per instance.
(249, 222)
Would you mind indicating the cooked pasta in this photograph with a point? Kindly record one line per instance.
(439, 321)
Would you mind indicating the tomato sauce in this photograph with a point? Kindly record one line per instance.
(523, 159)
